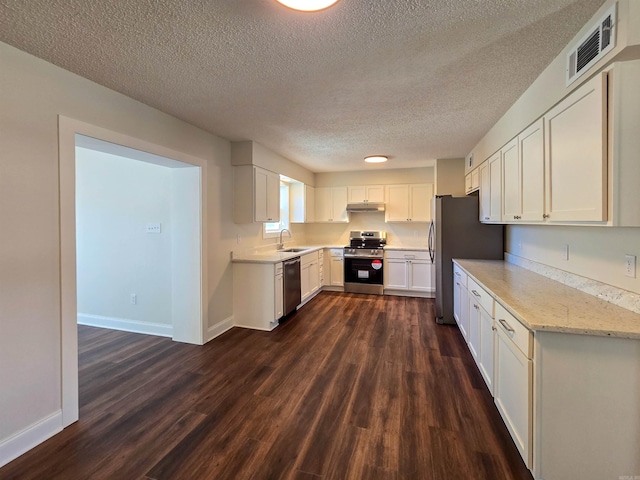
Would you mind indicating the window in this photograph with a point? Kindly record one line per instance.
(273, 229)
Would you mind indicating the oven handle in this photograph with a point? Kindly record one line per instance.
(364, 257)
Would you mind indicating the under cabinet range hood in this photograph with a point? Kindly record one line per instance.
(365, 207)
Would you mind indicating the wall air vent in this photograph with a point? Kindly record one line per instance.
(592, 47)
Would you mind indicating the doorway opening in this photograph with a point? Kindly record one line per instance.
(136, 220)
(182, 176)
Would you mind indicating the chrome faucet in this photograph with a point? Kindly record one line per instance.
(280, 245)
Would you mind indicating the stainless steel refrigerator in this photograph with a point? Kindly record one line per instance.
(456, 232)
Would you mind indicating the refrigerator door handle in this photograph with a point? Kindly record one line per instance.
(430, 236)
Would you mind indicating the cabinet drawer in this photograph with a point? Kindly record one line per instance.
(459, 275)
(335, 252)
(518, 333)
(308, 258)
(407, 255)
(480, 295)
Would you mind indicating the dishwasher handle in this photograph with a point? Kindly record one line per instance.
(292, 261)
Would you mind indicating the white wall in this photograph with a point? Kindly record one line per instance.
(398, 234)
(115, 199)
(32, 95)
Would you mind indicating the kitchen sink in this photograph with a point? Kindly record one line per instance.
(293, 250)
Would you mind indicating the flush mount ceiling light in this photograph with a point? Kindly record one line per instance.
(376, 159)
(307, 5)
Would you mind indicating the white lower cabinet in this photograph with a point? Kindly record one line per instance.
(409, 271)
(309, 276)
(460, 301)
(512, 391)
(502, 349)
(333, 267)
(257, 295)
(279, 292)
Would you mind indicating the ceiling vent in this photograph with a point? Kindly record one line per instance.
(592, 47)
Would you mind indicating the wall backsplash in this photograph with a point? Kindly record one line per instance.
(398, 234)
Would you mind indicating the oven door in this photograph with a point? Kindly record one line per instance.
(365, 270)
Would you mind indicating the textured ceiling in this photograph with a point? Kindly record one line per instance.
(413, 79)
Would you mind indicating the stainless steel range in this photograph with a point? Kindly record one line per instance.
(363, 266)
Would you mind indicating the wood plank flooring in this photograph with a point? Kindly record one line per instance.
(350, 387)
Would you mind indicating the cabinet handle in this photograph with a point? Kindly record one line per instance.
(507, 327)
(458, 283)
(486, 218)
(476, 293)
(545, 215)
(517, 217)
(475, 305)
(493, 328)
(457, 274)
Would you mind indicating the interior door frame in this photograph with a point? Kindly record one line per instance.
(67, 130)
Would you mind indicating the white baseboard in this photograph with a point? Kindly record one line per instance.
(126, 325)
(25, 440)
(219, 328)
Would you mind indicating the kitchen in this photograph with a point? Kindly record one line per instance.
(40, 92)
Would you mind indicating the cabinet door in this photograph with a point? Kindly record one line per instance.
(323, 205)
(375, 193)
(339, 204)
(337, 272)
(279, 296)
(314, 277)
(576, 156)
(485, 192)
(357, 194)
(463, 314)
(395, 274)
(532, 171)
(485, 355)
(475, 179)
(495, 180)
(467, 183)
(305, 281)
(397, 208)
(511, 182)
(420, 202)
(473, 339)
(420, 275)
(460, 307)
(513, 379)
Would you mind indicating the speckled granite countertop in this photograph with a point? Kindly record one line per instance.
(542, 304)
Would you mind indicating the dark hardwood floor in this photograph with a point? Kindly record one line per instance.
(350, 387)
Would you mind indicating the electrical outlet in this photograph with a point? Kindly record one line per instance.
(153, 228)
(133, 299)
(630, 266)
(565, 251)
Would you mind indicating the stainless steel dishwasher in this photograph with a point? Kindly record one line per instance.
(291, 285)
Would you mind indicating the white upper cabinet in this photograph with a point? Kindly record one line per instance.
(366, 194)
(256, 195)
(531, 143)
(331, 204)
(576, 155)
(523, 176)
(409, 203)
(491, 189)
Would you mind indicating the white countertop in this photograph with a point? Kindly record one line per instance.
(542, 304)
